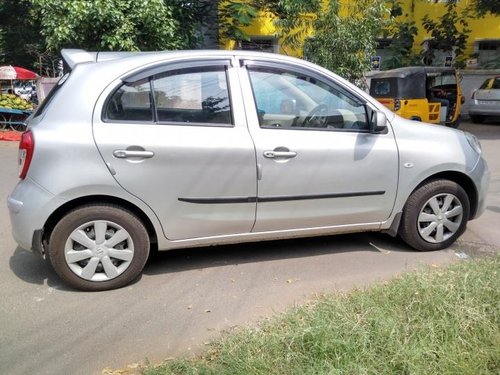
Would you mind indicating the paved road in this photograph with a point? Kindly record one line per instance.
(187, 297)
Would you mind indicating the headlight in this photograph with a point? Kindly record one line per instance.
(474, 142)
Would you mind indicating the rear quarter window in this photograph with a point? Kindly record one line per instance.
(52, 93)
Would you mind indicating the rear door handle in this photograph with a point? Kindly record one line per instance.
(123, 154)
(280, 154)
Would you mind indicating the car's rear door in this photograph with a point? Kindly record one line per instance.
(174, 136)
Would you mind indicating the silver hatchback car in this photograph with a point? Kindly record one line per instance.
(486, 100)
(164, 150)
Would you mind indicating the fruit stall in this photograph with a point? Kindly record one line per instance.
(14, 110)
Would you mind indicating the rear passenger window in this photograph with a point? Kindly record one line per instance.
(194, 95)
(131, 102)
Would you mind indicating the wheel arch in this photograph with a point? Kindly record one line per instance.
(54, 218)
(461, 179)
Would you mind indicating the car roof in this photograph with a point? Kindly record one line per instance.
(72, 57)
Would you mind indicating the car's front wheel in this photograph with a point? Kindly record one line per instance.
(98, 247)
(435, 215)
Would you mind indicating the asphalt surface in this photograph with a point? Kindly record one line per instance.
(185, 298)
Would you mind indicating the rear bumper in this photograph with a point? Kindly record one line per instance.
(485, 109)
(29, 208)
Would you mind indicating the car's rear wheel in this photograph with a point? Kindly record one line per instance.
(98, 247)
(478, 119)
(435, 215)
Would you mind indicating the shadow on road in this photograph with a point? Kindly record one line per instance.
(32, 269)
(256, 252)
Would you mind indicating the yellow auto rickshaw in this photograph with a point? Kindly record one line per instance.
(428, 94)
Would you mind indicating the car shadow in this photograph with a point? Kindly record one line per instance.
(32, 269)
(164, 262)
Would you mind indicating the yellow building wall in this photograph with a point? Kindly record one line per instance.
(263, 27)
(487, 27)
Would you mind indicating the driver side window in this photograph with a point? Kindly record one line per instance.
(286, 99)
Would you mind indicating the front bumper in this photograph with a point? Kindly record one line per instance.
(481, 177)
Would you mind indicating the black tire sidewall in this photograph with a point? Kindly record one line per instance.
(85, 214)
(409, 223)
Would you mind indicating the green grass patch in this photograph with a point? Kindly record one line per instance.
(437, 321)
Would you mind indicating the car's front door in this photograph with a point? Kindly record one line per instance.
(175, 138)
(318, 163)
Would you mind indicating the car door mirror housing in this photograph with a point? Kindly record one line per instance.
(379, 122)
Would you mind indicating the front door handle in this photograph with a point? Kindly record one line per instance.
(123, 154)
(280, 154)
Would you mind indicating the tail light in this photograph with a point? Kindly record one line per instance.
(397, 105)
(473, 95)
(26, 149)
(462, 99)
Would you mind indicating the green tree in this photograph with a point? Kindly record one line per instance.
(449, 33)
(402, 33)
(345, 45)
(116, 25)
(234, 16)
(293, 18)
(484, 6)
(20, 34)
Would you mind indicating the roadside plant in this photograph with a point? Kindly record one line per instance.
(345, 45)
(449, 33)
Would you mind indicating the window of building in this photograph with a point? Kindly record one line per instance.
(260, 44)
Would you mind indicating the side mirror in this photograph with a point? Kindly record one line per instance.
(379, 122)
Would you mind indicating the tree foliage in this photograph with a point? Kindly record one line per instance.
(345, 45)
(449, 33)
(292, 18)
(19, 33)
(234, 16)
(484, 6)
(402, 33)
(32, 32)
(116, 25)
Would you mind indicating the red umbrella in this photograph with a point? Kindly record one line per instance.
(15, 72)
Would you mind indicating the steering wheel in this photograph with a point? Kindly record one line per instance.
(316, 117)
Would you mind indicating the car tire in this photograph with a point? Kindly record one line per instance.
(477, 119)
(435, 215)
(98, 247)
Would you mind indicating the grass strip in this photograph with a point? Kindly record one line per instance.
(436, 321)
